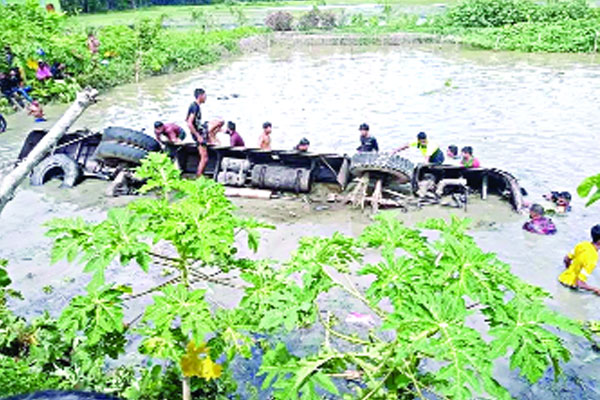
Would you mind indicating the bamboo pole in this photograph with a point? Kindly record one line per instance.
(187, 391)
(11, 181)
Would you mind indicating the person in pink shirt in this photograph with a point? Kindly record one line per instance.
(538, 223)
(468, 160)
(93, 43)
(43, 71)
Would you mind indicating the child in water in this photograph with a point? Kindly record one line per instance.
(36, 110)
(538, 223)
(558, 202)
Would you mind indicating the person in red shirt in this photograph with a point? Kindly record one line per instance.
(235, 140)
(168, 133)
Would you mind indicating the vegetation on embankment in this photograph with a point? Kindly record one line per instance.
(521, 25)
(126, 53)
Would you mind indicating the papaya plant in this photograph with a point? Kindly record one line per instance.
(590, 187)
(441, 311)
(436, 301)
(196, 225)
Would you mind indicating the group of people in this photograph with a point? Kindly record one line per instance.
(205, 133)
(45, 71)
(430, 150)
(12, 85)
(579, 263)
(14, 89)
(555, 203)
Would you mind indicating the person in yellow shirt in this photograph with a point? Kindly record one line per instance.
(581, 262)
(430, 150)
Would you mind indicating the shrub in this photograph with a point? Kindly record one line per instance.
(316, 19)
(498, 13)
(280, 21)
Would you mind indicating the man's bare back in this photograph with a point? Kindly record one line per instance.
(264, 141)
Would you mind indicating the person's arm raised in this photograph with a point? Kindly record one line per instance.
(401, 148)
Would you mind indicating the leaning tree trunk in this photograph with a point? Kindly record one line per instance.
(11, 181)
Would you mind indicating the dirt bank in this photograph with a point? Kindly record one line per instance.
(291, 39)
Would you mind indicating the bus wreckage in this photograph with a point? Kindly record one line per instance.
(378, 180)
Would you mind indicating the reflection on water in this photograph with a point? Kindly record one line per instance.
(533, 115)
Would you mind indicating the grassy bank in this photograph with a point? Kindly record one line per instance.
(521, 25)
(126, 53)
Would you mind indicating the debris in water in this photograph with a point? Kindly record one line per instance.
(360, 319)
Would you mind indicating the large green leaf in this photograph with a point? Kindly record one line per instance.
(585, 188)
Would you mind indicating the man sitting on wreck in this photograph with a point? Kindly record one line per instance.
(430, 150)
(468, 161)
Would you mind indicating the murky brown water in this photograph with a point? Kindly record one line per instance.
(533, 115)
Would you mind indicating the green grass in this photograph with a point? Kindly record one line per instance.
(255, 12)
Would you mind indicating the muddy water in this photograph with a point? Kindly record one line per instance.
(533, 115)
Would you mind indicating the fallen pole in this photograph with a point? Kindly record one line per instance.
(248, 193)
(12, 180)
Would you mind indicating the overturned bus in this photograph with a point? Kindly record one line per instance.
(383, 179)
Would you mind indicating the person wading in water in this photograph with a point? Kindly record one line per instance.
(581, 262)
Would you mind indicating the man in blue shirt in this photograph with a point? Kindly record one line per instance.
(367, 142)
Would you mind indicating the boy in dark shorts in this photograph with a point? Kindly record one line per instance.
(198, 131)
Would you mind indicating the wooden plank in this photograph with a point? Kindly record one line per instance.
(376, 196)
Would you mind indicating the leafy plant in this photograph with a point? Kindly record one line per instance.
(435, 289)
(440, 311)
(238, 14)
(203, 19)
(197, 222)
(588, 185)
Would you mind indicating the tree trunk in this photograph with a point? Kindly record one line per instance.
(11, 181)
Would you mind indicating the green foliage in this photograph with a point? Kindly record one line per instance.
(203, 19)
(97, 319)
(499, 13)
(16, 377)
(4, 279)
(126, 52)
(436, 290)
(521, 25)
(197, 222)
(585, 189)
(443, 310)
(176, 317)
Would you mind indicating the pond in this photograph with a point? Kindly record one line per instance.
(535, 116)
